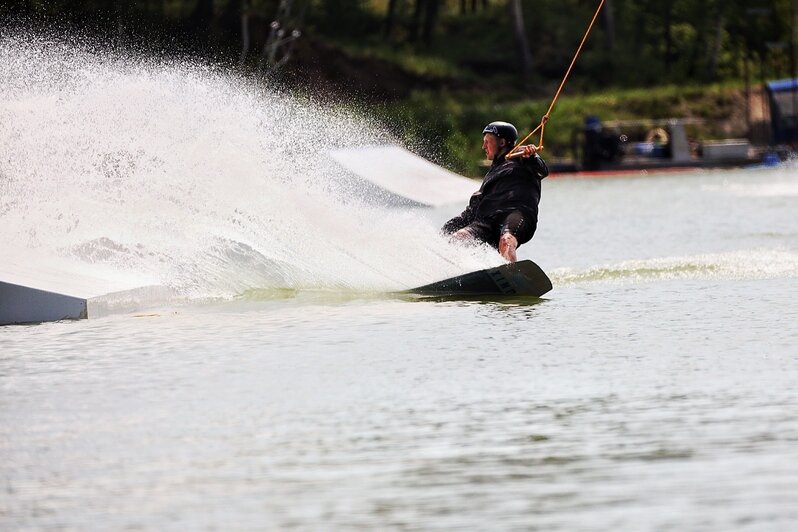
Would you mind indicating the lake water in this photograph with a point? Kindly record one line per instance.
(652, 389)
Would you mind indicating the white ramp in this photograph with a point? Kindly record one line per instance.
(22, 304)
(405, 174)
(37, 288)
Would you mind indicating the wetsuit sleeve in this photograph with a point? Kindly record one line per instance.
(465, 218)
(458, 222)
(538, 166)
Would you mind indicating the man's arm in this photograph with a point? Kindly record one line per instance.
(465, 217)
(538, 166)
(529, 155)
(458, 222)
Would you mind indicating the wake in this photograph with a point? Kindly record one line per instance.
(196, 179)
(738, 265)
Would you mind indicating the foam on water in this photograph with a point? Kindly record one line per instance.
(737, 265)
(195, 178)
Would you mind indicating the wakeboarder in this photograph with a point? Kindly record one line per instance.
(504, 211)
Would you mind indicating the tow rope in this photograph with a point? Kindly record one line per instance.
(542, 125)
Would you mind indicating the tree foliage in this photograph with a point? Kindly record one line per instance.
(459, 62)
(638, 41)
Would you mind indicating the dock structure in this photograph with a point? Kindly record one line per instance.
(35, 289)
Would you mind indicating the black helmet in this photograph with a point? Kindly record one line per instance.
(503, 130)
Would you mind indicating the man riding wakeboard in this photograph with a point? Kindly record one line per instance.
(504, 211)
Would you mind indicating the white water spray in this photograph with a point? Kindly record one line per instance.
(195, 178)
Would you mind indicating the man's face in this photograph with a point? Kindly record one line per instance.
(492, 144)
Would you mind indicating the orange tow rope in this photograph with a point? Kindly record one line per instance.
(542, 125)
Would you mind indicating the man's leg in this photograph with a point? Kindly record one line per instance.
(507, 246)
(463, 235)
(474, 233)
(515, 230)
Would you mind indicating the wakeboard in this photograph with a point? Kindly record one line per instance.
(523, 278)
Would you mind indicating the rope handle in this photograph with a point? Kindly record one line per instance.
(542, 126)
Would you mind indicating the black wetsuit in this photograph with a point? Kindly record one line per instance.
(507, 202)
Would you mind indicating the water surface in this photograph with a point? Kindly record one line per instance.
(653, 389)
(287, 389)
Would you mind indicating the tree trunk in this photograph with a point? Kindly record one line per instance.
(668, 27)
(712, 64)
(639, 28)
(517, 17)
(608, 18)
(201, 21)
(697, 51)
(244, 31)
(430, 20)
(747, 75)
(390, 18)
(415, 22)
(118, 11)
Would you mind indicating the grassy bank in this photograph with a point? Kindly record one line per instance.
(446, 126)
